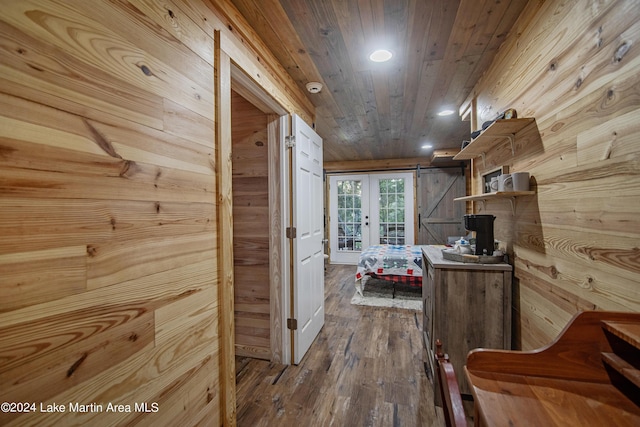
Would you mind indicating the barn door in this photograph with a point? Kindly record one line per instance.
(439, 216)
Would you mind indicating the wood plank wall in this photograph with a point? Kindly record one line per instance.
(573, 66)
(109, 247)
(107, 214)
(250, 229)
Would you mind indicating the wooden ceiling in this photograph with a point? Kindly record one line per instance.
(374, 111)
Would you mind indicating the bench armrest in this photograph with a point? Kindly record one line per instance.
(453, 409)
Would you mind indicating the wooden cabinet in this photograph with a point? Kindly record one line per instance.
(465, 306)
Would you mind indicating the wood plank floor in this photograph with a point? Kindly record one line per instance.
(364, 369)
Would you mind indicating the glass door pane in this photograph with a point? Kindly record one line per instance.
(348, 217)
(392, 209)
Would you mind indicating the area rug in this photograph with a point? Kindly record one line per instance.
(379, 293)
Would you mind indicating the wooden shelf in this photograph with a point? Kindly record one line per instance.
(443, 156)
(488, 138)
(510, 195)
(621, 366)
(495, 195)
(630, 332)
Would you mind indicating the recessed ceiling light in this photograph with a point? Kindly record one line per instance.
(427, 146)
(446, 112)
(380, 55)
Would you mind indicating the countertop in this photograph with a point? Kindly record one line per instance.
(433, 253)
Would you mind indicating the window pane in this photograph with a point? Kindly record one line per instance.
(349, 215)
(391, 211)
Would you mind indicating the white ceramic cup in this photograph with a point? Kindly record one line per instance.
(494, 184)
(505, 182)
(520, 181)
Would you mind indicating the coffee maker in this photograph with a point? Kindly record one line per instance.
(483, 226)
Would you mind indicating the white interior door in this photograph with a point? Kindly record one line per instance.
(308, 221)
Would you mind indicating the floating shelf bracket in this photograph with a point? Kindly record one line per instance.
(512, 201)
(513, 205)
(512, 140)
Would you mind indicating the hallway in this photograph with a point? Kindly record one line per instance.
(364, 369)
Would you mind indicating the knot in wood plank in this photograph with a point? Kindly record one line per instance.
(621, 51)
(76, 364)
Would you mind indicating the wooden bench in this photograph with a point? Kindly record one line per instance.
(452, 407)
(588, 376)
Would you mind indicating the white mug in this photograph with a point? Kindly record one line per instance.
(494, 184)
(505, 182)
(520, 181)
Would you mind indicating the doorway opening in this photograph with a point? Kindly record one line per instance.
(259, 251)
(369, 209)
(277, 238)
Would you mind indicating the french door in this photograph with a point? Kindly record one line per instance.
(369, 209)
